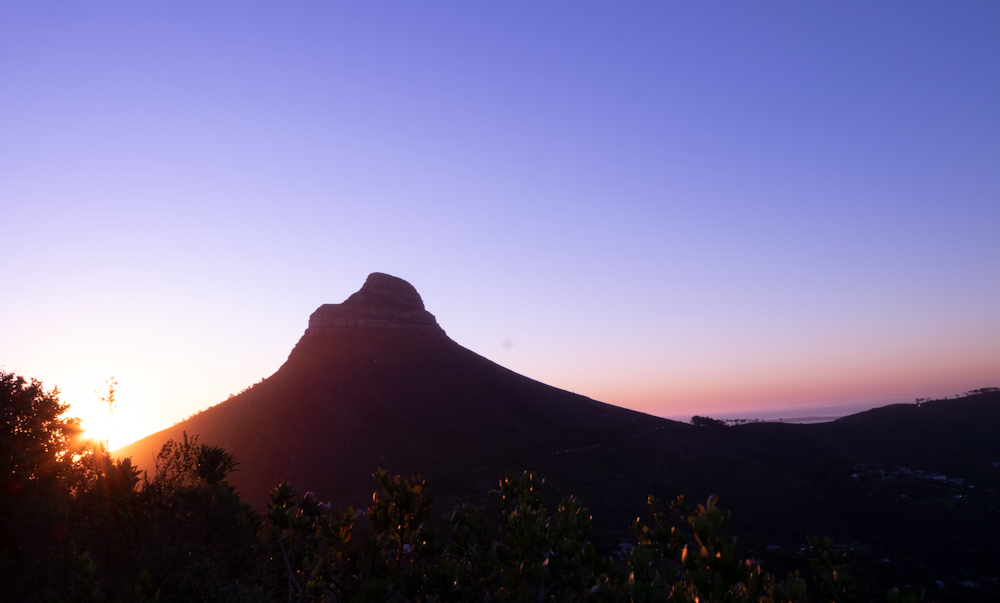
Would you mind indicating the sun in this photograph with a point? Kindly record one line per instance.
(96, 425)
(97, 417)
(115, 430)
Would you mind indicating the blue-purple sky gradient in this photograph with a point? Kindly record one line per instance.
(679, 207)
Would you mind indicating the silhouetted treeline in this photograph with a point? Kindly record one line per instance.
(698, 421)
(79, 526)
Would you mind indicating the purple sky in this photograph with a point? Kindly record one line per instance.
(679, 207)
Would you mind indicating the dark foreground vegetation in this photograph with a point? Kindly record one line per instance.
(76, 525)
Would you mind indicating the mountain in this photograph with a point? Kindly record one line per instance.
(376, 382)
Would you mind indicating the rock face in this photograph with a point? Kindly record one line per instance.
(383, 302)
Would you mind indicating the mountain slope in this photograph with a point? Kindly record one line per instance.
(375, 382)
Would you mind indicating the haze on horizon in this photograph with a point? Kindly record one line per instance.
(681, 208)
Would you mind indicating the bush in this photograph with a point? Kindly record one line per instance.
(79, 526)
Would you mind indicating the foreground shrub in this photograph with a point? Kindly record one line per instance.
(76, 525)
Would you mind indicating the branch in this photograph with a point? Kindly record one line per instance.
(291, 578)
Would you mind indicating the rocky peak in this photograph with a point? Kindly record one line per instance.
(384, 301)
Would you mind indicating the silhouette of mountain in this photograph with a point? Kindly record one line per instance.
(376, 382)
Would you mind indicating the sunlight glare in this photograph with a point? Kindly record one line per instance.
(98, 424)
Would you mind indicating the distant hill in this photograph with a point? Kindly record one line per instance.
(800, 414)
(375, 382)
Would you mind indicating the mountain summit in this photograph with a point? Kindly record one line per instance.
(384, 301)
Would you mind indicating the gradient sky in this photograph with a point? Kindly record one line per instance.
(674, 206)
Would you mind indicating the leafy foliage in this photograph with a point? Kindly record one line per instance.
(34, 436)
(399, 555)
(81, 526)
(832, 576)
(36, 474)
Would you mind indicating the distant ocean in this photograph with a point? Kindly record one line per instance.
(798, 414)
